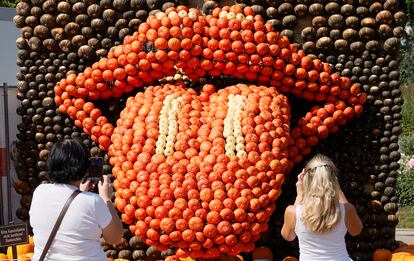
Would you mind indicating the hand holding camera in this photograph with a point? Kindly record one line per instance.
(95, 172)
(105, 188)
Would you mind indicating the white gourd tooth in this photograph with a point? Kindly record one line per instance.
(240, 146)
(160, 15)
(182, 13)
(231, 15)
(230, 139)
(160, 143)
(163, 125)
(192, 15)
(173, 124)
(242, 154)
(240, 140)
(227, 133)
(164, 130)
(229, 146)
(168, 151)
(223, 14)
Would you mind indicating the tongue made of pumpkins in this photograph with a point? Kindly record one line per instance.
(200, 172)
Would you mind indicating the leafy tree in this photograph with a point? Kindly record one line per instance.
(408, 7)
(8, 3)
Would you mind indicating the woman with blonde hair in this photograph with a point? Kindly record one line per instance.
(321, 214)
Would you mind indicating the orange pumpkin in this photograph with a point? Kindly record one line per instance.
(3, 257)
(290, 258)
(31, 242)
(401, 257)
(25, 257)
(262, 253)
(381, 255)
(21, 249)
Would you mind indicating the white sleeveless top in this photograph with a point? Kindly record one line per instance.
(328, 246)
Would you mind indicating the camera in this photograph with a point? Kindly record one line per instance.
(95, 171)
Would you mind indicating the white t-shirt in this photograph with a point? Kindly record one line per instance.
(78, 235)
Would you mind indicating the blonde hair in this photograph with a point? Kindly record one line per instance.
(320, 205)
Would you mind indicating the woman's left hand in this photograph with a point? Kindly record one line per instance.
(85, 185)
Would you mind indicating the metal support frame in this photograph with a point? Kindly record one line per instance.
(7, 141)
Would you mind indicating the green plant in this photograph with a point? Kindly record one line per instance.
(407, 110)
(8, 3)
(405, 182)
(407, 144)
(406, 217)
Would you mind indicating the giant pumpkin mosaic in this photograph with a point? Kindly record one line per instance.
(172, 148)
(199, 171)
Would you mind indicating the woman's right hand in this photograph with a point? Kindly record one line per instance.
(105, 188)
(299, 188)
(299, 184)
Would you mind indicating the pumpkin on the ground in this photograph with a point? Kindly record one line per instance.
(24, 257)
(290, 258)
(381, 255)
(401, 257)
(262, 253)
(21, 250)
(408, 250)
(404, 253)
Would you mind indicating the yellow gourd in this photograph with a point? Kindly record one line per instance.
(3, 257)
(401, 257)
(21, 250)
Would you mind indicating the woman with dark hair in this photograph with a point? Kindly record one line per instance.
(321, 215)
(89, 216)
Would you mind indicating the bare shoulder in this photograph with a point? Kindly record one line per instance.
(349, 208)
(291, 210)
(353, 222)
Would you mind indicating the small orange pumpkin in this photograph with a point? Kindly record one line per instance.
(381, 255)
(290, 258)
(262, 253)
